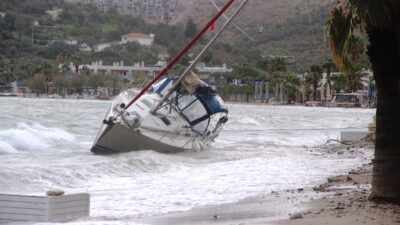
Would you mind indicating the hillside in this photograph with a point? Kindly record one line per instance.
(44, 29)
(288, 27)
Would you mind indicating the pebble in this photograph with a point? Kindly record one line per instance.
(335, 179)
(296, 216)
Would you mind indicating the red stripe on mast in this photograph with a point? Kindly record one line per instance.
(182, 52)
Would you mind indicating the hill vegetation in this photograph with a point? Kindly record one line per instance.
(33, 31)
(284, 27)
(38, 35)
(280, 28)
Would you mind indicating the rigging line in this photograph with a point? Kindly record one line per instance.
(234, 24)
(339, 144)
(300, 129)
(310, 20)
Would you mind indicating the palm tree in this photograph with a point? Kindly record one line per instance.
(47, 70)
(339, 82)
(380, 19)
(76, 61)
(316, 72)
(328, 66)
(64, 58)
(355, 79)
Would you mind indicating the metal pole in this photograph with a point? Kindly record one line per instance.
(183, 75)
(32, 33)
(182, 52)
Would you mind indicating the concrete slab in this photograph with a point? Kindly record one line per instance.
(44, 208)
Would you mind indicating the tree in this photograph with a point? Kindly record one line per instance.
(85, 71)
(46, 70)
(27, 69)
(355, 78)
(380, 19)
(191, 29)
(249, 72)
(76, 61)
(275, 64)
(9, 20)
(339, 82)
(7, 71)
(19, 25)
(77, 83)
(96, 80)
(61, 83)
(114, 82)
(316, 76)
(2, 76)
(64, 58)
(328, 66)
(38, 83)
(291, 85)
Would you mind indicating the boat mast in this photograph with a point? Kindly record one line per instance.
(190, 67)
(182, 52)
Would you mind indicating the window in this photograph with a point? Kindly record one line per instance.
(147, 103)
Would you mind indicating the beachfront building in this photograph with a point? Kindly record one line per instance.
(149, 71)
(206, 73)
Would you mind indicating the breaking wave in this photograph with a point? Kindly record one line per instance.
(32, 137)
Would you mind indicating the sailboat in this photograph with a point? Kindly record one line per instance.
(168, 115)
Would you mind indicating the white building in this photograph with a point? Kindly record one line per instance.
(206, 72)
(150, 10)
(142, 39)
(119, 68)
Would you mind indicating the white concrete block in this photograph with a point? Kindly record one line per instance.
(44, 208)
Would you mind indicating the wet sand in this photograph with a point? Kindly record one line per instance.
(341, 200)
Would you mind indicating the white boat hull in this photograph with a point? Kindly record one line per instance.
(117, 138)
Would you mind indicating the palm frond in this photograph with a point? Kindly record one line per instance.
(340, 30)
(379, 14)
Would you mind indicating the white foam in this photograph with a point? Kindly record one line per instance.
(32, 137)
(90, 223)
(6, 148)
(261, 151)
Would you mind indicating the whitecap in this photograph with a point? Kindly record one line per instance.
(6, 148)
(32, 137)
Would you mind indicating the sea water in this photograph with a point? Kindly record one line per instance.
(45, 144)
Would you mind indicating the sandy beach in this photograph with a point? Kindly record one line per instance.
(340, 200)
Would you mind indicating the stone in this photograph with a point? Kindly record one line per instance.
(55, 192)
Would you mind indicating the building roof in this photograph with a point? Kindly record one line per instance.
(137, 35)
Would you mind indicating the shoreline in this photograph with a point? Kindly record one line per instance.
(93, 98)
(341, 199)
